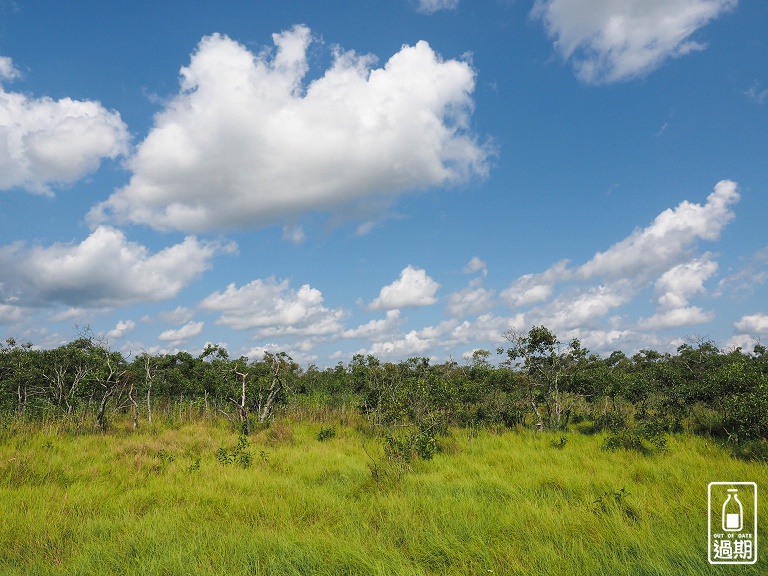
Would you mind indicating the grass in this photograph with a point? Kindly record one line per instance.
(158, 501)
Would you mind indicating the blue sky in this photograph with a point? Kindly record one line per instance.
(401, 178)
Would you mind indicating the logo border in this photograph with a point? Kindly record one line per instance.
(709, 522)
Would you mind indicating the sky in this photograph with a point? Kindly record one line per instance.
(401, 178)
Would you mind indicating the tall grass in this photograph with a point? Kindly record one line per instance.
(158, 501)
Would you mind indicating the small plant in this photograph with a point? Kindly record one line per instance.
(195, 466)
(239, 454)
(326, 434)
(164, 456)
(559, 444)
(615, 499)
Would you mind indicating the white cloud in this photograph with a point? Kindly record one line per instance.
(7, 70)
(45, 141)
(650, 251)
(375, 329)
(9, 314)
(179, 315)
(746, 280)
(613, 40)
(674, 289)
(579, 301)
(122, 328)
(582, 307)
(474, 299)
(274, 309)
(104, 270)
(535, 288)
(189, 330)
(294, 233)
(411, 344)
(676, 317)
(432, 6)
(245, 143)
(413, 288)
(475, 265)
(677, 285)
(753, 324)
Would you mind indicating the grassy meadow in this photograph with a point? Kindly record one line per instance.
(182, 499)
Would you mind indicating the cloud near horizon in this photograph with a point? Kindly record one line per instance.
(246, 143)
(105, 270)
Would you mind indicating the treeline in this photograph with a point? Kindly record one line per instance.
(539, 382)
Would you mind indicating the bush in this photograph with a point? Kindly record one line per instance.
(326, 434)
(240, 455)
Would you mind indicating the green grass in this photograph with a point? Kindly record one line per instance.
(157, 501)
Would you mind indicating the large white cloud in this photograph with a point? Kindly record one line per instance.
(275, 309)
(104, 270)
(45, 141)
(245, 143)
(611, 40)
(413, 288)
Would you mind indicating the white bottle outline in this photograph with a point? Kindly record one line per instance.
(728, 518)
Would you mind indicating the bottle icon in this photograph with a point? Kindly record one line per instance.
(733, 512)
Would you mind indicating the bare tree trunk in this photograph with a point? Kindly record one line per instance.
(241, 408)
(134, 408)
(148, 380)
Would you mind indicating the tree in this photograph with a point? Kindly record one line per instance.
(550, 367)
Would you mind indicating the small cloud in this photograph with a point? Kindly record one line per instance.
(122, 328)
(294, 233)
(189, 330)
(474, 265)
(413, 288)
(432, 6)
(756, 94)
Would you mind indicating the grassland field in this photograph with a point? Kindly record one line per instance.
(180, 498)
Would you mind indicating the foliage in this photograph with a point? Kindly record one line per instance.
(409, 406)
(239, 455)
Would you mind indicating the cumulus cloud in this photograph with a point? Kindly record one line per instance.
(613, 40)
(179, 315)
(9, 314)
(532, 289)
(677, 285)
(104, 270)
(274, 308)
(375, 329)
(652, 250)
(432, 6)
(474, 299)
(475, 265)
(410, 344)
(676, 317)
(246, 143)
(177, 336)
(753, 324)
(579, 301)
(122, 328)
(45, 141)
(413, 288)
